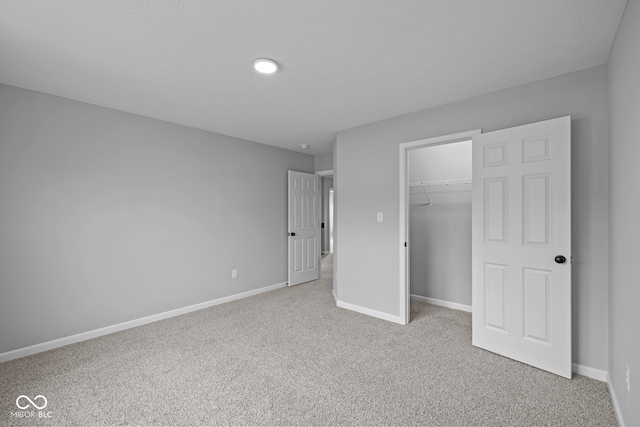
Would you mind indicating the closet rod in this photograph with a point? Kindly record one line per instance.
(425, 193)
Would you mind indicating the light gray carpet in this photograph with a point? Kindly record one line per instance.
(291, 357)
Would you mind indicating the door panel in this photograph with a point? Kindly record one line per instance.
(298, 253)
(304, 228)
(495, 298)
(496, 216)
(536, 306)
(312, 255)
(535, 194)
(521, 222)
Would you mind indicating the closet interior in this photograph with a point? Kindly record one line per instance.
(440, 223)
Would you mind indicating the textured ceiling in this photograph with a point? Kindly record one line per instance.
(344, 63)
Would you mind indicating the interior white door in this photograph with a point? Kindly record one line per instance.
(304, 227)
(521, 219)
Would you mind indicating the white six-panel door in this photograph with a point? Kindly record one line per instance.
(304, 227)
(521, 234)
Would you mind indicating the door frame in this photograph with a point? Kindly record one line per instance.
(331, 202)
(404, 149)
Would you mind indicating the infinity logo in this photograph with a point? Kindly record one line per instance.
(31, 402)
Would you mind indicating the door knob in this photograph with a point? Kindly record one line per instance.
(292, 234)
(560, 259)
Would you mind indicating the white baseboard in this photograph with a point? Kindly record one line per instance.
(442, 303)
(614, 399)
(83, 336)
(369, 312)
(587, 371)
(335, 297)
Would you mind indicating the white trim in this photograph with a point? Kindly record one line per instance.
(405, 311)
(448, 304)
(369, 312)
(83, 336)
(404, 211)
(587, 371)
(328, 172)
(614, 399)
(335, 297)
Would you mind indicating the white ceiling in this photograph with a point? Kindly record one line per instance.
(344, 62)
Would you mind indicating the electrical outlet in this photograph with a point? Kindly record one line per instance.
(234, 274)
(628, 377)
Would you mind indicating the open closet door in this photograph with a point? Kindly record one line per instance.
(521, 219)
(304, 227)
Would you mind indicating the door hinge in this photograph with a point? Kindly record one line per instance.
(405, 244)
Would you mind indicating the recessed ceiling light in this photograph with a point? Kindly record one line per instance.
(265, 66)
(304, 146)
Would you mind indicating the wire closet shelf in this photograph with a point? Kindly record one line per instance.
(452, 185)
(444, 186)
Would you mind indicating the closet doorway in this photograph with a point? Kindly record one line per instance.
(422, 196)
(440, 245)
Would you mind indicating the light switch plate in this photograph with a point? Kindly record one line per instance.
(379, 216)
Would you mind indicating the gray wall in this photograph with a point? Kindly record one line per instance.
(440, 248)
(323, 162)
(367, 158)
(624, 213)
(108, 217)
(440, 233)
